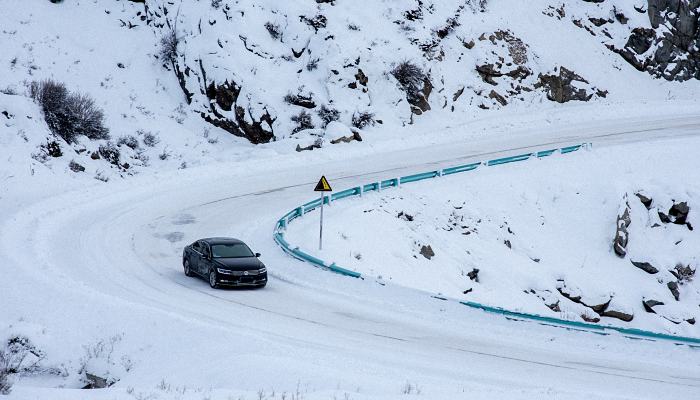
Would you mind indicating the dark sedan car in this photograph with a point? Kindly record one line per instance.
(224, 262)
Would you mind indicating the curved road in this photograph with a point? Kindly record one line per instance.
(107, 259)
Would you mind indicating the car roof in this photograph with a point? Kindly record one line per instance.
(221, 240)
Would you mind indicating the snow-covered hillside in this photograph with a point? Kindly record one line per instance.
(537, 236)
(188, 74)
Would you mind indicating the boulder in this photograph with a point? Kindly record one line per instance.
(427, 252)
(615, 311)
(673, 287)
(650, 304)
(645, 200)
(679, 213)
(646, 267)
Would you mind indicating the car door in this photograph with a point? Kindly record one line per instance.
(205, 259)
(196, 257)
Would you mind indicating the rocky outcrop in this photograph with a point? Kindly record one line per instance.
(622, 232)
(671, 47)
(223, 98)
(563, 86)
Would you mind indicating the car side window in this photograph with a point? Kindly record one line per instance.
(205, 250)
(196, 247)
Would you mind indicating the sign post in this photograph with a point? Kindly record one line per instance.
(322, 186)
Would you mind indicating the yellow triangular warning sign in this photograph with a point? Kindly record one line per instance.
(323, 185)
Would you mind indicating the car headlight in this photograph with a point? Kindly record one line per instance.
(224, 271)
(262, 270)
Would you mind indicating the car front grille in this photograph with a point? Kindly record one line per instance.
(251, 272)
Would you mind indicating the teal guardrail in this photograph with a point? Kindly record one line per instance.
(299, 254)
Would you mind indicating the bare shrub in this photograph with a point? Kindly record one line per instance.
(273, 30)
(411, 78)
(328, 114)
(363, 119)
(312, 64)
(150, 139)
(129, 141)
(17, 356)
(216, 4)
(110, 152)
(67, 114)
(168, 46)
(317, 22)
(303, 121)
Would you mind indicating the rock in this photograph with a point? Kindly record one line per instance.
(494, 95)
(404, 216)
(673, 287)
(341, 133)
(590, 318)
(679, 213)
(95, 155)
(361, 77)
(683, 273)
(427, 252)
(467, 291)
(508, 244)
(560, 87)
(691, 321)
(474, 275)
(669, 49)
(573, 296)
(554, 306)
(646, 267)
(223, 98)
(622, 233)
(650, 304)
(619, 314)
(75, 167)
(664, 218)
(645, 200)
(488, 72)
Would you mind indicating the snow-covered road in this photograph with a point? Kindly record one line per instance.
(109, 257)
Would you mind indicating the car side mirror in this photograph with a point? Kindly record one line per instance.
(257, 254)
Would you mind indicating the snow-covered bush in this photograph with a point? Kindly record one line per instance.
(150, 139)
(273, 30)
(363, 119)
(129, 141)
(18, 355)
(411, 78)
(67, 114)
(110, 153)
(328, 114)
(168, 46)
(303, 121)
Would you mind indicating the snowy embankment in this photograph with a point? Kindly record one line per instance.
(537, 236)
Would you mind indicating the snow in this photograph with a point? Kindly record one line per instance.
(91, 270)
(535, 226)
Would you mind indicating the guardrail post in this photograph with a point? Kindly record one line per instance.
(379, 186)
(361, 189)
(301, 211)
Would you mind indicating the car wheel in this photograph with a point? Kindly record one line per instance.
(212, 279)
(186, 267)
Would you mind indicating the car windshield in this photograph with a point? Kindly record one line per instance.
(231, 250)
